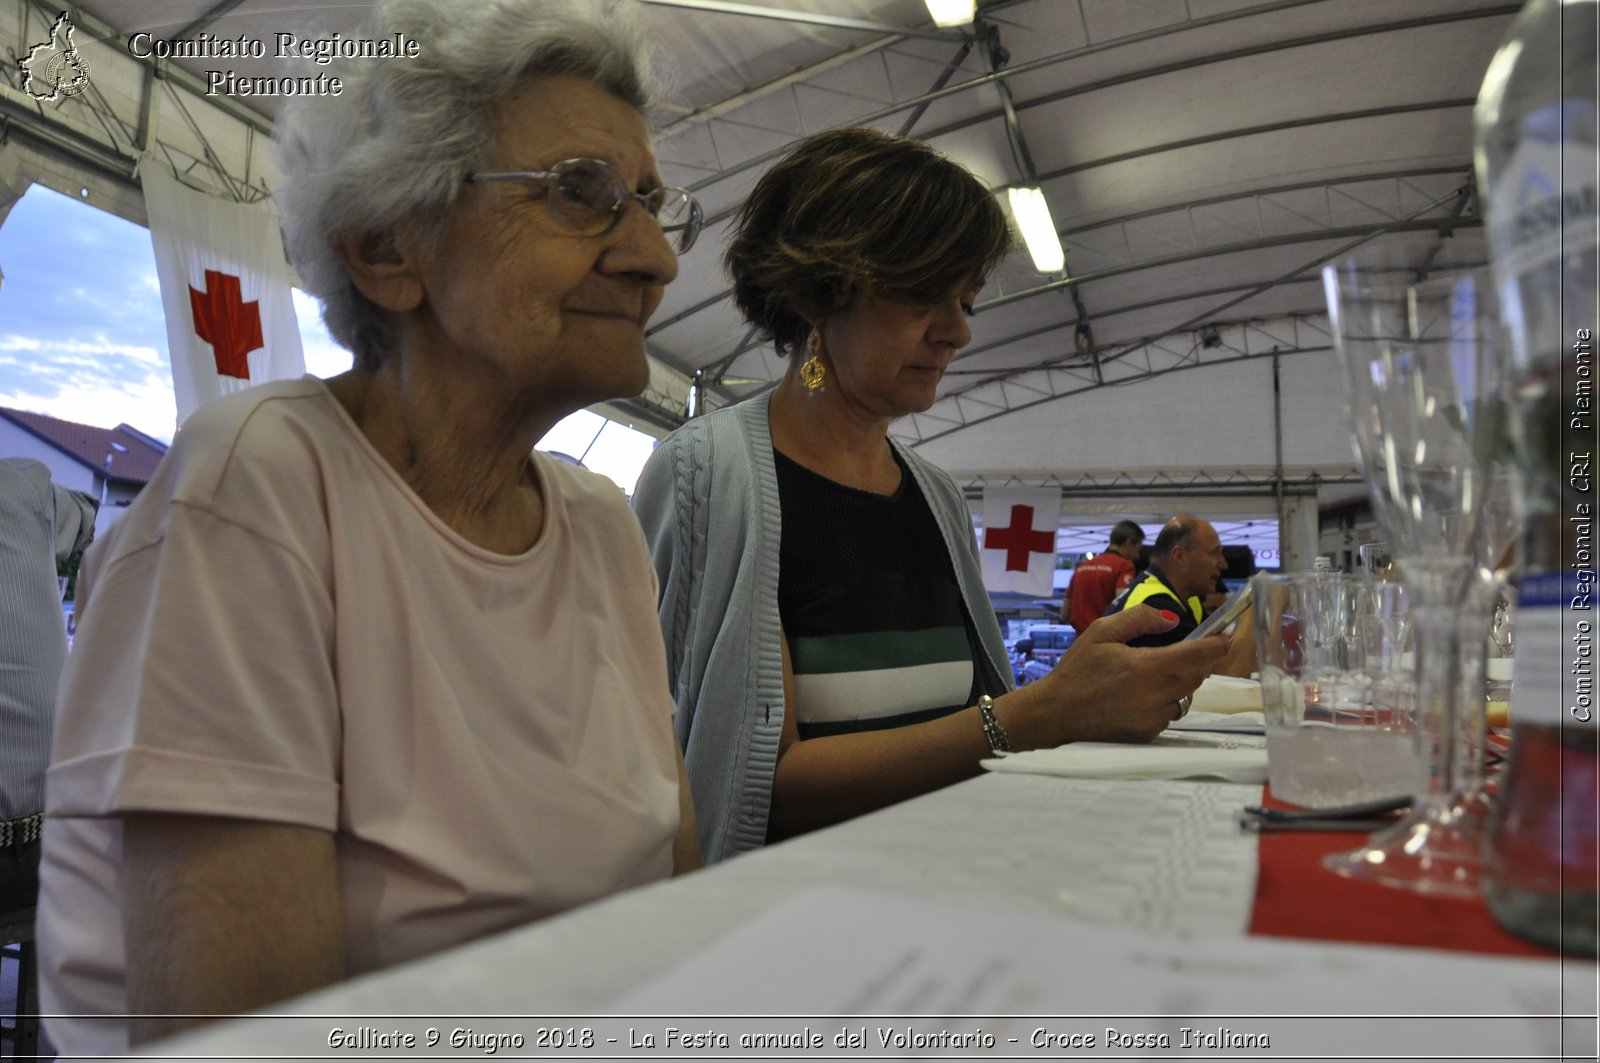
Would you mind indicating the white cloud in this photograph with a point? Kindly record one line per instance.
(147, 405)
(138, 352)
(79, 350)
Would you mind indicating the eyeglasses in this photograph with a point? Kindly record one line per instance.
(588, 197)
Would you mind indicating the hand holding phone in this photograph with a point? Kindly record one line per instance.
(1229, 611)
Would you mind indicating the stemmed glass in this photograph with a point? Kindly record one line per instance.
(1495, 531)
(1423, 374)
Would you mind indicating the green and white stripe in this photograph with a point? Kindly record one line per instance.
(875, 677)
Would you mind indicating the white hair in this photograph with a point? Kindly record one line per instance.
(392, 150)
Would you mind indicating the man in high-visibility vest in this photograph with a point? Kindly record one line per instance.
(1184, 565)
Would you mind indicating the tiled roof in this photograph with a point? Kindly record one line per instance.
(134, 455)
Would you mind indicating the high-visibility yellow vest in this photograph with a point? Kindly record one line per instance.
(1150, 585)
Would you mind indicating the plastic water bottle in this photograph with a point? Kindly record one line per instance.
(1534, 132)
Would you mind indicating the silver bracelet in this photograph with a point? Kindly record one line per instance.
(993, 733)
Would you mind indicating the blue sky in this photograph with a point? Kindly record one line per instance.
(82, 336)
(81, 332)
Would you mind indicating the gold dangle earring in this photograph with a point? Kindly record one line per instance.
(812, 373)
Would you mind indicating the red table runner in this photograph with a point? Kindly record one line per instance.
(1297, 897)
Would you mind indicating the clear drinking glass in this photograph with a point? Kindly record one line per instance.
(1338, 708)
(1374, 557)
(1423, 371)
(1492, 539)
(1501, 654)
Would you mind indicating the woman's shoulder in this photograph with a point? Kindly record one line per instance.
(741, 421)
(577, 486)
(594, 512)
(929, 475)
(258, 434)
(247, 459)
(723, 444)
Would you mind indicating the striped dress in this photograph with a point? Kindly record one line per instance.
(871, 609)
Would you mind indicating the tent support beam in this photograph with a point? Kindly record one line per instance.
(938, 83)
(1134, 38)
(810, 18)
(1277, 446)
(1239, 484)
(1464, 170)
(1037, 64)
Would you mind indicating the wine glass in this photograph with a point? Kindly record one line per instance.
(1492, 538)
(1423, 372)
(1373, 558)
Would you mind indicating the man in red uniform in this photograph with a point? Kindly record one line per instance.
(1098, 579)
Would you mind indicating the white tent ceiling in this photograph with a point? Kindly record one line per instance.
(1201, 158)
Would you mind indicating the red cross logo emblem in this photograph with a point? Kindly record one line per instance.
(1019, 540)
(231, 325)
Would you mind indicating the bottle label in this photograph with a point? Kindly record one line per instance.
(1544, 205)
(1554, 681)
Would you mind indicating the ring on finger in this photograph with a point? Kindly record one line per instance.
(1183, 706)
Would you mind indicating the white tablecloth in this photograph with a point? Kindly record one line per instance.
(1114, 857)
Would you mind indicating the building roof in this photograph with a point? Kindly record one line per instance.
(133, 455)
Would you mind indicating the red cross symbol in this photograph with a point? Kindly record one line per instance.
(1019, 540)
(230, 325)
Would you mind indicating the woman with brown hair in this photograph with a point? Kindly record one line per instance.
(831, 645)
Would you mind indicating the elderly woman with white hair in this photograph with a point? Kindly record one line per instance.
(361, 676)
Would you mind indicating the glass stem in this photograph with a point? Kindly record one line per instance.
(1477, 616)
(1437, 733)
(1437, 591)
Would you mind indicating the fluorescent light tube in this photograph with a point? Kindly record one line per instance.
(1038, 230)
(948, 13)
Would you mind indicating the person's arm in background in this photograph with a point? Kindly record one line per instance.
(1066, 600)
(75, 513)
(1241, 659)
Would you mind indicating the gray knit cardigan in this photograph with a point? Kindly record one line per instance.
(708, 500)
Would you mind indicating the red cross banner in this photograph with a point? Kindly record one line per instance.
(1019, 539)
(225, 288)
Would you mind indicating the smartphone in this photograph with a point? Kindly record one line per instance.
(1226, 613)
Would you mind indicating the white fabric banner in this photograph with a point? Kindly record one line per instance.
(225, 288)
(1019, 539)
